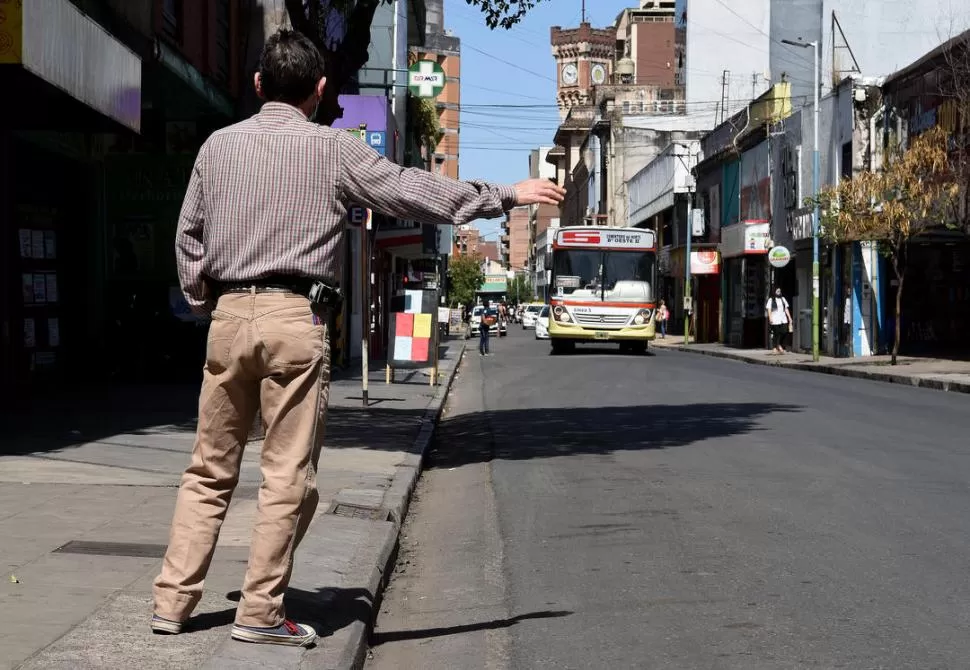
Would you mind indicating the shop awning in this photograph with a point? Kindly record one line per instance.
(55, 41)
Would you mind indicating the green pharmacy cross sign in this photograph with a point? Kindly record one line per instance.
(426, 79)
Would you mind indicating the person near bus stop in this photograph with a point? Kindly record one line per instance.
(260, 246)
(779, 318)
(663, 314)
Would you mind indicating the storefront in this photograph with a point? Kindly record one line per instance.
(52, 255)
(746, 276)
(936, 298)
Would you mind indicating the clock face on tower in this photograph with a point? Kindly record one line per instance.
(598, 74)
(570, 74)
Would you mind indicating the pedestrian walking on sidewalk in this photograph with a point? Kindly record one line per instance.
(779, 318)
(260, 247)
(663, 314)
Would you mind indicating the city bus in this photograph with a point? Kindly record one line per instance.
(602, 287)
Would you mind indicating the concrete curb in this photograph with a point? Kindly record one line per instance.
(397, 499)
(851, 371)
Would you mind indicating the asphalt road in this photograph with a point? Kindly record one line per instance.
(680, 511)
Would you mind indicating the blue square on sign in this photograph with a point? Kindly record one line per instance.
(376, 139)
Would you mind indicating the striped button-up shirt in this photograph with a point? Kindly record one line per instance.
(269, 196)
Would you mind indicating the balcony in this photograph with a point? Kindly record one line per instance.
(505, 240)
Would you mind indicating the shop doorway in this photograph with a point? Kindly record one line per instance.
(51, 267)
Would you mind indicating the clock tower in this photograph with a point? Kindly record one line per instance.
(584, 58)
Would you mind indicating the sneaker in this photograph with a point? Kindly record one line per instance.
(162, 626)
(287, 633)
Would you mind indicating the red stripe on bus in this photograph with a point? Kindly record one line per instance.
(571, 303)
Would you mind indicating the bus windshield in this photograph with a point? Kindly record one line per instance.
(606, 276)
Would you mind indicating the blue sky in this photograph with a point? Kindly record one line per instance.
(514, 70)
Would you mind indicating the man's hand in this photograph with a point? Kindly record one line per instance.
(538, 192)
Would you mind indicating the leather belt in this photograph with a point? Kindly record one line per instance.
(297, 285)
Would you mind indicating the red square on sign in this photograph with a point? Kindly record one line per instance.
(405, 325)
(419, 349)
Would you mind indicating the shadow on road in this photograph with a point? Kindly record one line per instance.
(423, 633)
(544, 432)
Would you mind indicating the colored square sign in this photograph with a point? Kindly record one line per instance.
(426, 79)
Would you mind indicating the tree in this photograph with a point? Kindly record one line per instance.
(916, 191)
(465, 277)
(954, 84)
(341, 30)
(521, 289)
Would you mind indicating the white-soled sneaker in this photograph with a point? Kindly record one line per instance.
(162, 626)
(287, 633)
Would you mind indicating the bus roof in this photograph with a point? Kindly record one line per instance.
(639, 239)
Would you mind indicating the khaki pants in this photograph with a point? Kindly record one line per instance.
(269, 351)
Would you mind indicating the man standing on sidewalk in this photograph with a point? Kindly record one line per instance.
(259, 246)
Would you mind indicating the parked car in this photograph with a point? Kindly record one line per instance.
(498, 327)
(542, 323)
(529, 315)
(474, 320)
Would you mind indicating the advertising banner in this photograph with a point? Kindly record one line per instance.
(705, 262)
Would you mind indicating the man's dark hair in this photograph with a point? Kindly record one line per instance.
(290, 67)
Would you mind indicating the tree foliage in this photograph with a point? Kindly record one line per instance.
(520, 289)
(916, 191)
(955, 90)
(341, 29)
(465, 277)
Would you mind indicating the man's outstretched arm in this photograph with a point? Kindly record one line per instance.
(410, 193)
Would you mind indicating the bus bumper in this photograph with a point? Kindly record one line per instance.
(577, 333)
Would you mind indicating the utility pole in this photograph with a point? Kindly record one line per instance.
(688, 288)
(816, 308)
(725, 79)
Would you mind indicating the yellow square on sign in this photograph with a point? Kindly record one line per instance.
(11, 31)
(422, 325)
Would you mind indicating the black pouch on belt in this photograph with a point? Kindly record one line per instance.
(325, 295)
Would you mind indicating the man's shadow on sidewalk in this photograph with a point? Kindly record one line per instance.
(330, 609)
(327, 609)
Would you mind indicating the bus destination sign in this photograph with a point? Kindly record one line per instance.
(611, 238)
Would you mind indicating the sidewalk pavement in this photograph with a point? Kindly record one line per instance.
(934, 373)
(85, 511)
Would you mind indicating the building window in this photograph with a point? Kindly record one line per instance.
(172, 19)
(223, 49)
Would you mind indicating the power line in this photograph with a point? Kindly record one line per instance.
(509, 63)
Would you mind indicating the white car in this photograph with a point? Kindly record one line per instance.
(497, 328)
(529, 315)
(542, 324)
(474, 320)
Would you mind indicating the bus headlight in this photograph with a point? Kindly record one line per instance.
(561, 314)
(642, 317)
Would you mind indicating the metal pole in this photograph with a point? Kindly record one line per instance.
(815, 219)
(364, 296)
(364, 312)
(687, 282)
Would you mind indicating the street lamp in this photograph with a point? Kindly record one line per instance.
(688, 288)
(815, 186)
